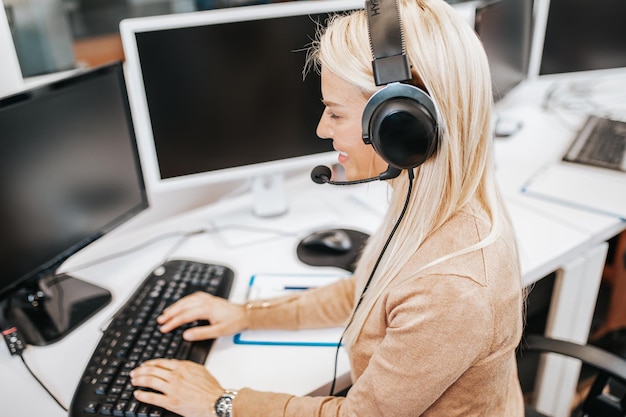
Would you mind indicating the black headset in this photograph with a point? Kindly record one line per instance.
(399, 120)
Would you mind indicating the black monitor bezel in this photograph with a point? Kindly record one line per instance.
(41, 91)
(500, 93)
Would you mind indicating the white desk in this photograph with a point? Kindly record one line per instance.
(299, 370)
(545, 136)
(551, 238)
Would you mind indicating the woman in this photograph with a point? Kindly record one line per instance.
(436, 330)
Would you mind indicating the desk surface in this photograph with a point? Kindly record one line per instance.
(549, 237)
(546, 134)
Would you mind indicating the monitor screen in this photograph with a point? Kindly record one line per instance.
(221, 94)
(69, 173)
(505, 29)
(583, 35)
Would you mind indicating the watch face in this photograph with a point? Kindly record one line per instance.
(224, 405)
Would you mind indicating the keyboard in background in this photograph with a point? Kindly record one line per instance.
(601, 142)
(133, 337)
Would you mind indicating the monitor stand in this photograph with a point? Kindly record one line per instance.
(49, 309)
(268, 195)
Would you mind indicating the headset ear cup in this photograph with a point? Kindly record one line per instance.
(400, 123)
(403, 134)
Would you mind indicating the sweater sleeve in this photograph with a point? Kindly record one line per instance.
(326, 306)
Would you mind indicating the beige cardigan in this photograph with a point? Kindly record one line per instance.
(438, 344)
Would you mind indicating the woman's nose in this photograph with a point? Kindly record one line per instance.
(323, 130)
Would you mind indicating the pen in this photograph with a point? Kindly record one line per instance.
(294, 288)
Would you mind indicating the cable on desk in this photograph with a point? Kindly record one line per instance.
(583, 97)
(16, 346)
(187, 235)
(42, 384)
(135, 248)
(179, 243)
(257, 229)
(184, 235)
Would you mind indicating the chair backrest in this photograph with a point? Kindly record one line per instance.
(607, 395)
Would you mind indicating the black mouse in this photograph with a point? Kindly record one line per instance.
(331, 241)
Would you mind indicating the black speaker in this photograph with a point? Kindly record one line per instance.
(399, 120)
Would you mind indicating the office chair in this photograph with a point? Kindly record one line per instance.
(607, 396)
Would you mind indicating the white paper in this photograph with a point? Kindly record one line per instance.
(582, 187)
(264, 286)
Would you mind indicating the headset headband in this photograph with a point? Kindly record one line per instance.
(390, 63)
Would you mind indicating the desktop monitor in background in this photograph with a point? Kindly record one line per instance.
(219, 95)
(583, 35)
(505, 29)
(69, 174)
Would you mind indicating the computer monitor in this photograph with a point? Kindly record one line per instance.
(582, 35)
(220, 95)
(505, 28)
(69, 174)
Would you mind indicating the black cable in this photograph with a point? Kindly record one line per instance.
(369, 280)
(42, 384)
(16, 347)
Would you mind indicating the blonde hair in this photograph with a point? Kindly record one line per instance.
(448, 61)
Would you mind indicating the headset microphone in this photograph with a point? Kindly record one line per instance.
(321, 175)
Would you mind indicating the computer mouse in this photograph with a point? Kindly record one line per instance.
(330, 241)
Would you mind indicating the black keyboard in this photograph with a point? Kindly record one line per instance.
(133, 337)
(601, 142)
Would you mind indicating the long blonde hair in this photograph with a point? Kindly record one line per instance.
(448, 60)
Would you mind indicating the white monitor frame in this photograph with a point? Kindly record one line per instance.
(540, 11)
(139, 106)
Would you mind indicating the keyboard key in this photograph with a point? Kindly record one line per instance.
(91, 407)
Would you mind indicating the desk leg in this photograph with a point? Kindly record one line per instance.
(571, 311)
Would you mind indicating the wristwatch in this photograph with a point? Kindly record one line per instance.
(224, 404)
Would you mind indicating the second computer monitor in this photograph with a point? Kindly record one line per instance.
(583, 35)
(221, 94)
(505, 29)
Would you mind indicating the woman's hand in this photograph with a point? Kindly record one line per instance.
(225, 318)
(184, 387)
